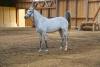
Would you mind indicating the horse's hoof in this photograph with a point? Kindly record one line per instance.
(46, 50)
(40, 50)
(61, 48)
(65, 49)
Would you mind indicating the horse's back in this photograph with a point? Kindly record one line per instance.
(58, 19)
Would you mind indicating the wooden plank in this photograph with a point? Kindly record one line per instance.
(13, 17)
(61, 8)
(80, 8)
(94, 1)
(86, 9)
(28, 22)
(72, 7)
(57, 7)
(76, 12)
(21, 17)
(1, 17)
(52, 13)
(6, 17)
(67, 5)
(45, 12)
(26, 6)
(96, 14)
(93, 7)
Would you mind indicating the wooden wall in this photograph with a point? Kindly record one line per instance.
(93, 7)
(21, 14)
(62, 7)
(7, 17)
(84, 11)
(79, 12)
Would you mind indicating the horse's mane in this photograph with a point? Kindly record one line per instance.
(40, 14)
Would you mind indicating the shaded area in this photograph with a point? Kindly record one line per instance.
(10, 3)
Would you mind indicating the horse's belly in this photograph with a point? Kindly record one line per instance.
(52, 29)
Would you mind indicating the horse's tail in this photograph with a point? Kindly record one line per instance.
(65, 16)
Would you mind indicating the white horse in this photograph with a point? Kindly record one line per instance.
(44, 25)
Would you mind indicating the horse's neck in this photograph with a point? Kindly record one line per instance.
(37, 17)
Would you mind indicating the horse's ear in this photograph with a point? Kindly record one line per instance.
(32, 3)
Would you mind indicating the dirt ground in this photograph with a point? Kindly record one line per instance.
(19, 48)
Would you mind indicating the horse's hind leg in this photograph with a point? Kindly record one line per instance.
(62, 40)
(63, 34)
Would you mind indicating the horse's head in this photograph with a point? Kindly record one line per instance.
(29, 12)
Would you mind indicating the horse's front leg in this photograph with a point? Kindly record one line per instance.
(40, 49)
(64, 40)
(44, 39)
(41, 42)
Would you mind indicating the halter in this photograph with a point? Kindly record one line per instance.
(31, 12)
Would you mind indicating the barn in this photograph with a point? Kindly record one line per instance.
(19, 41)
